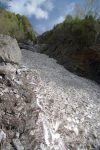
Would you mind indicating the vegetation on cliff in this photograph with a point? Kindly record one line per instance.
(83, 32)
(75, 44)
(16, 25)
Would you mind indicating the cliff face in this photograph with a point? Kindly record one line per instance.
(76, 45)
(17, 26)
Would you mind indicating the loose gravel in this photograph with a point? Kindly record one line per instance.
(70, 106)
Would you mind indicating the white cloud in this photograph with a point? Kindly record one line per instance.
(41, 28)
(59, 20)
(48, 5)
(70, 8)
(39, 8)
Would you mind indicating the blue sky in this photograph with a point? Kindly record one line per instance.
(44, 14)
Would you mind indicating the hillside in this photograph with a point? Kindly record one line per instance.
(17, 26)
(75, 43)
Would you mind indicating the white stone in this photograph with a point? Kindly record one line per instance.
(17, 134)
(17, 144)
(32, 132)
(69, 119)
(2, 135)
(75, 129)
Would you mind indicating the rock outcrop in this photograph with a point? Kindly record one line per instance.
(9, 50)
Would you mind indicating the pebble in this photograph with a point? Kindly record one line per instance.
(75, 129)
(17, 134)
(2, 135)
(17, 144)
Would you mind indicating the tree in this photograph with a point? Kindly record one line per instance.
(97, 27)
(68, 19)
(90, 7)
(79, 11)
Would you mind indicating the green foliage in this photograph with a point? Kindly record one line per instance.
(75, 31)
(16, 25)
(75, 43)
(68, 19)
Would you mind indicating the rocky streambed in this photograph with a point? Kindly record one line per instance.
(45, 107)
(70, 106)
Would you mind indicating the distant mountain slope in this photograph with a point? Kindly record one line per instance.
(75, 43)
(17, 26)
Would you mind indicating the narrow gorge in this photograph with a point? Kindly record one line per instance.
(49, 75)
(43, 106)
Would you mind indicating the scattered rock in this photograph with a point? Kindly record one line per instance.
(69, 107)
(33, 47)
(43, 106)
(18, 109)
(26, 45)
(17, 144)
(2, 135)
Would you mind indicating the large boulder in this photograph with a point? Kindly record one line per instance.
(9, 50)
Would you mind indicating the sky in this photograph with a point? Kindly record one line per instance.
(44, 14)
